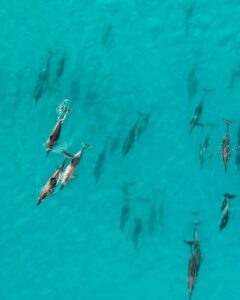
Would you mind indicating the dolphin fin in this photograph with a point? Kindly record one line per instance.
(229, 196)
(227, 122)
(67, 155)
(189, 243)
(196, 223)
(84, 145)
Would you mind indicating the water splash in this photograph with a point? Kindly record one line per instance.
(63, 109)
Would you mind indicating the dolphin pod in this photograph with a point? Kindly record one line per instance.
(64, 175)
(60, 174)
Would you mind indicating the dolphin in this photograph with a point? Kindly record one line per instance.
(143, 125)
(60, 67)
(136, 232)
(196, 116)
(195, 259)
(129, 140)
(125, 214)
(99, 167)
(114, 144)
(192, 275)
(225, 214)
(55, 134)
(43, 78)
(51, 183)
(226, 145)
(237, 159)
(134, 132)
(69, 171)
(225, 209)
(152, 221)
(192, 83)
(202, 151)
(197, 250)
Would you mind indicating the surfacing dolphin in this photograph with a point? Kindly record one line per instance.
(70, 169)
(51, 184)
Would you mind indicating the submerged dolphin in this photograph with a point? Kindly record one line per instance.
(60, 67)
(135, 131)
(202, 151)
(136, 232)
(43, 78)
(192, 83)
(196, 116)
(237, 158)
(125, 214)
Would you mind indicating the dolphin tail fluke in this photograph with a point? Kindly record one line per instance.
(141, 114)
(87, 146)
(229, 196)
(196, 223)
(189, 243)
(227, 122)
(196, 212)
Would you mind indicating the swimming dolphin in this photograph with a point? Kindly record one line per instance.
(132, 134)
(202, 151)
(60, 67)
(51, 183)
(114, 144)
(237, 159)
(234, 76)
(106, 34)
(192, 83)
(99, 167)
(54, 136)
(43, 78)
(129, 140)
(143, 125)
(225, 214)
(136, 232)
(197, 250)
(63, 110)
(196, 116)
(225, 209)
(192, 270)
(152, 221)
(195, 259)
(192, 275)
(69, 171)
(125, 214)
(226, 145)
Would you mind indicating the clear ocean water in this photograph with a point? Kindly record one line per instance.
(156, 57)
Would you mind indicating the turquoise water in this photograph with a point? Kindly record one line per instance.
(121, 58)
